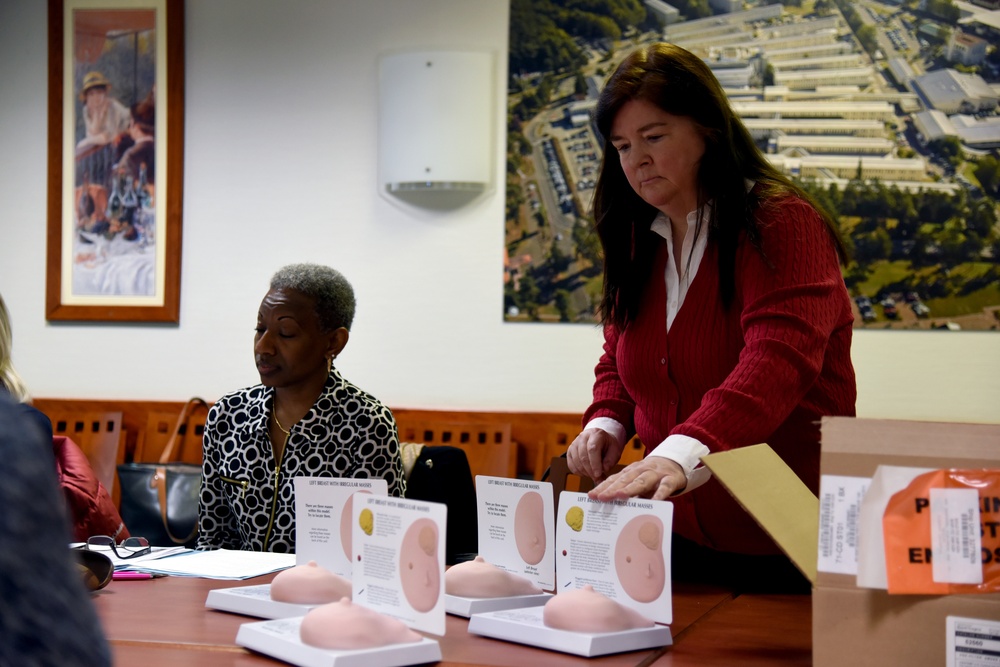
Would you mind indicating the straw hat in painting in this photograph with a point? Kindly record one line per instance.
(92, 80)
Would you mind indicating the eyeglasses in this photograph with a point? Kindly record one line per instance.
(132, 546)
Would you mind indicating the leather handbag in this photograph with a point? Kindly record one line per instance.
(159, 500)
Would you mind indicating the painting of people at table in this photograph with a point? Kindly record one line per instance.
(114, 70)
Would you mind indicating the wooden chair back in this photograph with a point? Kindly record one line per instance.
(101, 437)
(634, 451)
(488, 446)
(558, 439)
(160, 425)
(563, 480)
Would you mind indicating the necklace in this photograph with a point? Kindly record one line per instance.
(286, 431)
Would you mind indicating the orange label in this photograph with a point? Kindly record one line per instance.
(918, 514)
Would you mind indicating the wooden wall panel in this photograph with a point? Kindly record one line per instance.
(528, 429)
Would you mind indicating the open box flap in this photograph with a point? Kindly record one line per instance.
(775, 497)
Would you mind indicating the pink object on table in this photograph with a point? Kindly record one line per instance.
(586, 610)
(346, 626)
(479, 579)
(309, 584)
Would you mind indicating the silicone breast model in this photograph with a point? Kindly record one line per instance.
(420, 566)
(309, 584)
(529, 527)
(586, 610)
(344, 626)
(479, 579)
(639, 558)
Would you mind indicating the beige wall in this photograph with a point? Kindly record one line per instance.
(280, 167)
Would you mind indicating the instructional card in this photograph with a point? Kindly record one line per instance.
(839, 509)
(621, 548)
(516, 527)
(398, 557)
(323, 507)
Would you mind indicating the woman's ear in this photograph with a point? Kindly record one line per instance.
(337, 342)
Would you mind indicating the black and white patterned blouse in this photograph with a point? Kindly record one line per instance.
(247, 502)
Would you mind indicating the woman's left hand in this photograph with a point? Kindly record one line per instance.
(653, 477)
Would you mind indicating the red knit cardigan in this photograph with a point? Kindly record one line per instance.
(763, 370)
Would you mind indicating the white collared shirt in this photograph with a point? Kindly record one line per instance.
(692, 251)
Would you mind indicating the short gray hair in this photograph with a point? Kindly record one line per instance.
(333, 295)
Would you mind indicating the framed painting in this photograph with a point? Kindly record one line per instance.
(115, 160)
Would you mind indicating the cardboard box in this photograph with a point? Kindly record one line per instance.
(851, 625)
(867, 626)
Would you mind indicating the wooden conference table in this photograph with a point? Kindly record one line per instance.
(164, 622)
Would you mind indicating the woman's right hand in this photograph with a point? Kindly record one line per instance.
(593, 453)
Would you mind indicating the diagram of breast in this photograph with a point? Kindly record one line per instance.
(639, 558)
(529, 527)
(420, 566)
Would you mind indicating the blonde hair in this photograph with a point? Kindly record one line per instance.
(9, 379)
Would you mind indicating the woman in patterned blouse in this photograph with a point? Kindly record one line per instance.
(302, 420)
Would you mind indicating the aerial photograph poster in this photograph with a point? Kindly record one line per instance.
(885, 112)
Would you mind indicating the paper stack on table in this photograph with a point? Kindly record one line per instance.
(218, 564)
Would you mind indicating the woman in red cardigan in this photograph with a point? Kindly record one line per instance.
(726, 319)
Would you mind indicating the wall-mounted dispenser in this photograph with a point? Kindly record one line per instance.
(436, 124)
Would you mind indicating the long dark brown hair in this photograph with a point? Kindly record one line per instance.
(680, 83)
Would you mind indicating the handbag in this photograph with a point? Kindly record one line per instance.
(159, 500)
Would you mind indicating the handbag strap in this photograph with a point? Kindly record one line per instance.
(159, 481)
(191, 405)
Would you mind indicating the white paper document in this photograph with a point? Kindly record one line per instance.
(839, 511)
(219, 564)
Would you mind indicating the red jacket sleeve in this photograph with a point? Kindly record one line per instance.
(88, 502)
(793, 297)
